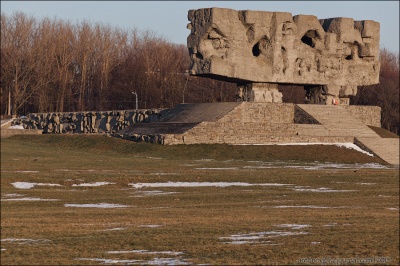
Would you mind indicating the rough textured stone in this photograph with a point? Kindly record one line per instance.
(250, 47)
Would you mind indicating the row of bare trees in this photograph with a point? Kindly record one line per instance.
(52, 65)
(386, 93)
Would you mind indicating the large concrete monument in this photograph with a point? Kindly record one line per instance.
(259, 50)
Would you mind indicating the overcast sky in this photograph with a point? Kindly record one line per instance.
(169, 18)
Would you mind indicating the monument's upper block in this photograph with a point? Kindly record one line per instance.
(275, 47)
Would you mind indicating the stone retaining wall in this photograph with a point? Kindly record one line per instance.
(87, 122)
(247, 123)
(369, 115)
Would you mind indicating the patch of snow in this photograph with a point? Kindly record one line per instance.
(366, 184)
(253, 237)
(17, 127)
(163, 173)
(98, 205)
(322, 189)
(24, 172)
(259, 167)
(155, 261)
(308, 206)
(294, 226)
(112, 261)
(320, 166)
(315, 243)
(393, 209)
(346, 145)
(331, 224)
(166, 261)
(3, 249)
(202, 184)
(153, 193)
(151, 225)
(29, 199)
(115, 229)
(155, 158)
(13, 195)
(25, 240)
(29, 185)
(146, 252)
(95, 184)
(217, 168)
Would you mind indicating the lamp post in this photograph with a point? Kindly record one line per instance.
(184, 88)
(134, 93)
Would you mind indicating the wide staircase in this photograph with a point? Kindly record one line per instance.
(338, 121)
(260, 123)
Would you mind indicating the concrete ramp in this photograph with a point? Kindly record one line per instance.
(182, 118)
(199, 112)
(385, 148)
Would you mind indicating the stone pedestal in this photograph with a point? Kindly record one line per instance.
(259, 93)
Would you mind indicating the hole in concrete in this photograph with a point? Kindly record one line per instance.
(199, 56)
(309, 37)
(256, 49)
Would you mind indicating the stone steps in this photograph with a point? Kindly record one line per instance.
(338, 120)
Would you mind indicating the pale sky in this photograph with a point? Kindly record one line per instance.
(169, 18)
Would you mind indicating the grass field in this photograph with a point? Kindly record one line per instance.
(93, 200)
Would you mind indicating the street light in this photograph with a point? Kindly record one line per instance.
(134, 93)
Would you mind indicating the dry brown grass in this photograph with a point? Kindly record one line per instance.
(196, 221)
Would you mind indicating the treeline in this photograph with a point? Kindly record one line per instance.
(52, 65)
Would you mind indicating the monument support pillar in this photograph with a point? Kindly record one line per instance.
(259, 92)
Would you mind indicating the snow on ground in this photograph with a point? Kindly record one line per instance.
(12, 195)
(29, 199)
(344, 145)
(25, 240)
(146, 252)
(155, 261)
(98, 205)
(112, 261)
(331, 224)
(27, 172)
(322, 189)
(294, 226)
(317, 166)
(29, 185)
(115, 229)
(258, 238)
(17, 127)
(153, 193)
(150, 225)
(308, 207)
(217, 168)
(202, 184)
(95, 184)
